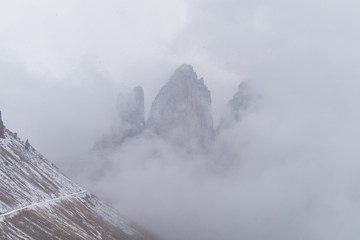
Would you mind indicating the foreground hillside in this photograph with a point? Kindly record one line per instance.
(38, 202)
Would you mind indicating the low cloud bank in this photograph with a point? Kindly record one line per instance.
(287, 170)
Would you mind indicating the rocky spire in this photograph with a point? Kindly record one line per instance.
(242, 100)
(130, 119)
(181, 112)
(2, 128)
(131, 109)
(27, 144)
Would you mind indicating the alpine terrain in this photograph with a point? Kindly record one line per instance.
(38, 202)
(180, 114)
(181, 111)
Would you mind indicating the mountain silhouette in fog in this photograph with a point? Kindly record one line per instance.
(180, 113)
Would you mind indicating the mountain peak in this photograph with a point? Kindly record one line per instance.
(131, 107)
(185, 68)
(242, 99)
(184, 73)
(130, 119)
(2, 128)
(181, 112)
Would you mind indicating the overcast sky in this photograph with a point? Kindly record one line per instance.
(63, 63)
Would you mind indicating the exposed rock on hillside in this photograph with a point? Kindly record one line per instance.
(2, 128)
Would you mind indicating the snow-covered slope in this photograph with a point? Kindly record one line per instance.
(38, 202)
(26, 176)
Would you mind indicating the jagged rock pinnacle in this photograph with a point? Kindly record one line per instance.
(131, 108)
(130, 119)
(185, 68)
(241, 100)
(181, 112)
(27, 144)
(2, 128)
(244, 99)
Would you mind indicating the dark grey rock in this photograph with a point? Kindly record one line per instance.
(241, 100)
(2, 128)
(181, 112)
(130, 119)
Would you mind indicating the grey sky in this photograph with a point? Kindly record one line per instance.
(62, 64)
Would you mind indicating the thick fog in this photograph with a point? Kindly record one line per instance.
(287, 170)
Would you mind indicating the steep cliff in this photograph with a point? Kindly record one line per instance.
(241, 100)
(130, 119)
(181, 112)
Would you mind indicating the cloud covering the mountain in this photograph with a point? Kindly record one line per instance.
(296, 157)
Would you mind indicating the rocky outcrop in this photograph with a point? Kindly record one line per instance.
(2, 128)
(27, 144)
(237, 107)
(131, 112)
(181, 112)
(241, 100)
(130, 119)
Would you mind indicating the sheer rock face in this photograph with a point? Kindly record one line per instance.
(2, 128)
(131, 112)
(181, 112)
(241, 100)
(130, 120)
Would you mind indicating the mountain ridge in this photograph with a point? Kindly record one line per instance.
(180, 113)
(38, 202)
